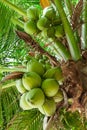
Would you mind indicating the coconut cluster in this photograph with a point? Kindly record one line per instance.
(39, 88)
(47, 22)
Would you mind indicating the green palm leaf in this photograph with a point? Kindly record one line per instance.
(26, 120)
(5, 19)
(9, 105)
(12, 49)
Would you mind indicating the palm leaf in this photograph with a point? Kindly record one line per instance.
(9, 105)
(12, 49)
(5, 19)
(26, 120)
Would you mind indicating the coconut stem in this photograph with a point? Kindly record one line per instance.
(14, 7)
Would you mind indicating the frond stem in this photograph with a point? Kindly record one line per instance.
(72, 43)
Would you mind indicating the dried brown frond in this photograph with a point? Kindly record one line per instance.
(72, 84)
(31, 42)
(76, 14)
(13, 75)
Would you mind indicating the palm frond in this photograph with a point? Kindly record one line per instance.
(5, 19)
(27, 3)
(26, 120)
(9, 105)
(12, 49)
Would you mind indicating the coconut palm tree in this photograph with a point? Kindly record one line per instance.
(61, 44)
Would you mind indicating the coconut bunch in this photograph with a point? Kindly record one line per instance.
(39, 57)
(47, 22)
(40, 88)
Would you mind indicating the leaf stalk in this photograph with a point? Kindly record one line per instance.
(72, 43)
